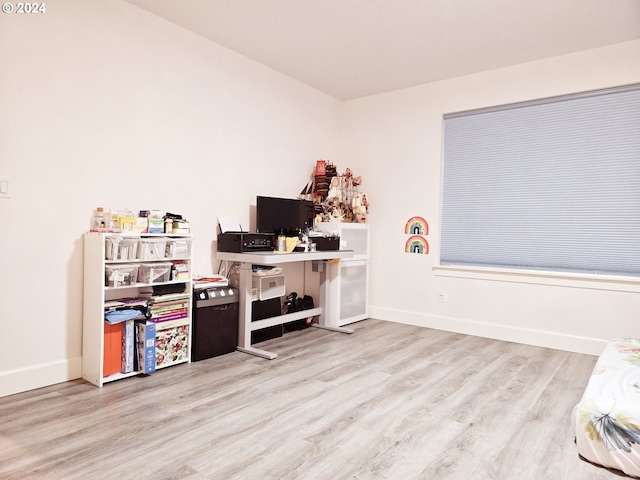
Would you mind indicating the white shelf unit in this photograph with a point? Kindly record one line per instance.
(96, 293)
(352, 284)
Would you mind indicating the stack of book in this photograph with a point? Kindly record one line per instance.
(119, 340)
(172, 306)
(181, 270)
(181, 226)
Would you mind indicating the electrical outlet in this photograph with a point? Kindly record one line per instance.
(442, 296)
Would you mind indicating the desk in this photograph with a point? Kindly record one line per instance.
(327, 306)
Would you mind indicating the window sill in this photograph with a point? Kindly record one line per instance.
(618, 283)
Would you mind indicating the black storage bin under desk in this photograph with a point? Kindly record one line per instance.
(261, 309)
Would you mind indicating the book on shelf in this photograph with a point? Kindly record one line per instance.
(128, 347)
(118, 303)
(112, 360)
(166, 318)
(146, 346)
(181, 270)
(155, 299)
(159, 307)
(172, 311)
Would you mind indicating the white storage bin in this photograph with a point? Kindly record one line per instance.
(155, 272)
(263, 287)
(268, 286)
(121, 275)
(117, 248)
(178, 248)
(152, 248)
(128, 248)
(111, 248)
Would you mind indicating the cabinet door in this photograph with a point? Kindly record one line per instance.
(353, 291)
(355, 238)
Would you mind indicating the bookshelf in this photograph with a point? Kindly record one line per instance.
(122, 267)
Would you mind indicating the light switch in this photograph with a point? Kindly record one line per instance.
(5, 192)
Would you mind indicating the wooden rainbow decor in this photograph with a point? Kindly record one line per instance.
(416, 226)
(416, 244)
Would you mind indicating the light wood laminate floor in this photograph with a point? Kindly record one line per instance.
(390, 401)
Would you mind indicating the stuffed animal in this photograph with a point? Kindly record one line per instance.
(334, 188)
(336, 212)
(360, 207)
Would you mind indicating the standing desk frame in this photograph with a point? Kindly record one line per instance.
(327, 309)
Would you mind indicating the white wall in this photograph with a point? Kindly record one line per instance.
(103, 104)
(396, 139)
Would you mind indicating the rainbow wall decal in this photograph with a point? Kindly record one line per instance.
(416, 226)
(416, 244)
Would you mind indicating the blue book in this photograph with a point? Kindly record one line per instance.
(128, 347)
(146, 342)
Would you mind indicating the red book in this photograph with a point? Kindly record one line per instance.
(112, 348)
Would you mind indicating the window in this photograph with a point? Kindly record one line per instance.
(552, 184)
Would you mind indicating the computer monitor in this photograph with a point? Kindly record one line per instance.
(286, 215)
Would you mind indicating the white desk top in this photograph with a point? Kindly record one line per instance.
(273, 258)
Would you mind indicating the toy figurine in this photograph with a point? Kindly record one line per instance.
(336, 197)
(360, 207)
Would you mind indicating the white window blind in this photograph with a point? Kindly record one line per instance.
(552, 184)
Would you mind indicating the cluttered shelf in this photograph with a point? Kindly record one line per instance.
(125, 271)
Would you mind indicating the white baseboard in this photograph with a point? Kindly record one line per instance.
(509, 333)
(38, 376)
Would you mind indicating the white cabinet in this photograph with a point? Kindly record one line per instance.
(124, 266)
(352, 284)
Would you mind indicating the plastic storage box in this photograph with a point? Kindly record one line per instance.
(268, 286)
(155, 272)
(111, 248)
(121, 275)
(152, 248)
(117, 248)
(178, 248)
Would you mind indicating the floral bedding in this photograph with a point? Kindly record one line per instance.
(607, 419)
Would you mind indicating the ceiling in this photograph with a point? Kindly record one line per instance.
(355, 48)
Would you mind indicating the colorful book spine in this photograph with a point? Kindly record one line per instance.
(166, 318)
(163, 307)
(146, 346)
(170, 312)
(128, 347)
(168, 297)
